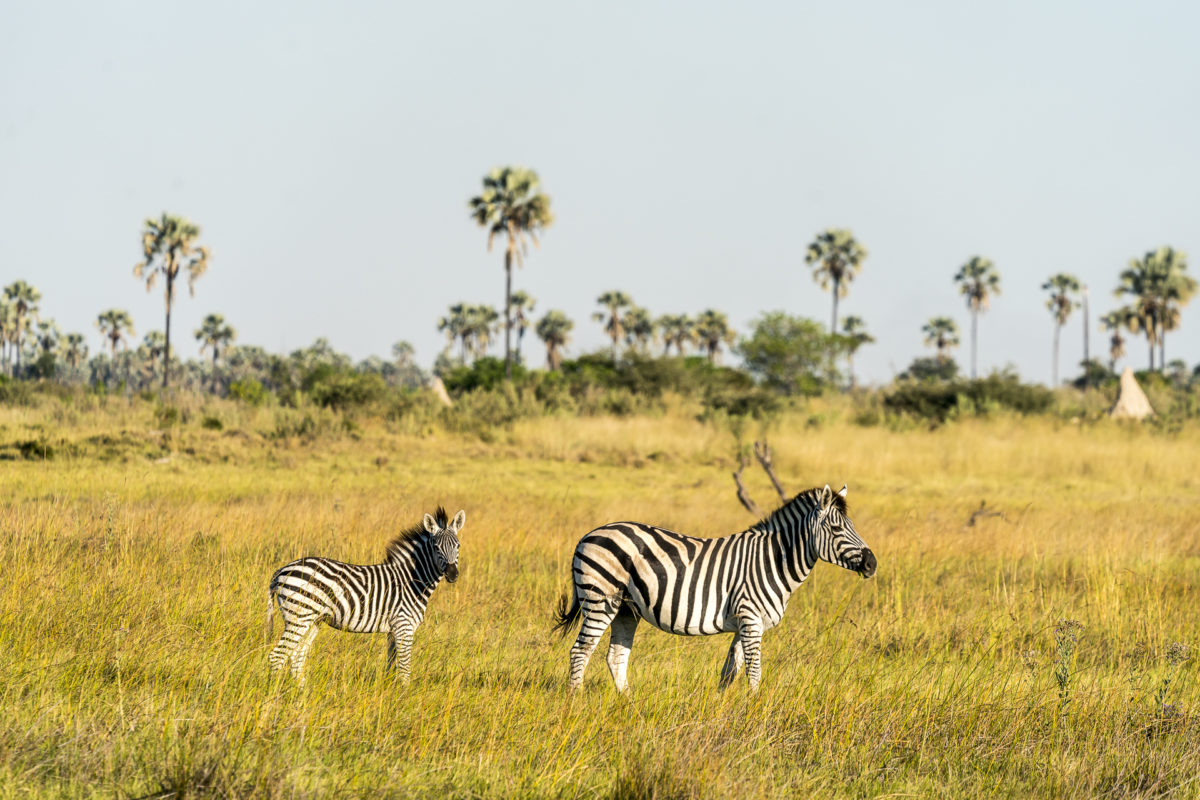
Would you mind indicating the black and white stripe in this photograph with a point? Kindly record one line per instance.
(627, 571)
(388, 598)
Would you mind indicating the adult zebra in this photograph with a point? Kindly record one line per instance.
(627, 571)
(390, 597)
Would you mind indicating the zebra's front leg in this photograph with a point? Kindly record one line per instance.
(400, 639)
(620, 641)
(733, 662)
(750, 631)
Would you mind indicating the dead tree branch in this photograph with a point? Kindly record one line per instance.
(742, 495)
(983, 512)
(762, 451)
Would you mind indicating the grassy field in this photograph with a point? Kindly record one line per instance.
(1048, 652)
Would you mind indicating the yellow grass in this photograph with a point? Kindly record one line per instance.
(133, 597)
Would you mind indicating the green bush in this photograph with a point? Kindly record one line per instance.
(931, 368)
(485, 373)
(338, 389)
(941, 400)
(249, 391)
(16, 393)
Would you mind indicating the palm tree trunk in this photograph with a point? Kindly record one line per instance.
(1162, 350)
(974, 338)
(833, 325)
(214, 369)
(508, 254)
(167, 347)
(1054, 373)
(1086, 324)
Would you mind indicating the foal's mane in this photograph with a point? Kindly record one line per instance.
(415, 533)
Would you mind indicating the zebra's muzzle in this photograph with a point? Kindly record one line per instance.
(867, 566)
(451, 573)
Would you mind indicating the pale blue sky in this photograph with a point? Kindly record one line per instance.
(691, 151)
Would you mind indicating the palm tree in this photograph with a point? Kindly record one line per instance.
(168, 246)
(712, 328)
(24, 299)
(215, 333)
(1178, 288)
(154, 346)
(554, 329)
(614, 325)
(114, 324)
(978, 280)
(481, 325)
(838, 257)
(854, 331)
(8, 322)
(75, 349)
(678, 330)
(402, 354)
(511, 204)
(1061, 304)
(942, 333)
(1113, 321)
(457, 326)
(639, 327)
(521, 303)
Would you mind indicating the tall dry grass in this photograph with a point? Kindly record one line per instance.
(1047, 652)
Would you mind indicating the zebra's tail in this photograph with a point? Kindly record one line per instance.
(270, 612)
(565, 618)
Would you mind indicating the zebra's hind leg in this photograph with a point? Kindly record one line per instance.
(284, 651)
(300, 653)
(620, 641)
(598, 614)
(733, 662)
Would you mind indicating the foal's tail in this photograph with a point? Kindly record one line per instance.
(565, 618)
(270, 612)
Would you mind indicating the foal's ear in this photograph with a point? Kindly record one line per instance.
(842, 493)
(459, 520)
(431, 524)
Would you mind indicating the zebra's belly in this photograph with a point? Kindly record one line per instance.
(697, 623)
(361, 625)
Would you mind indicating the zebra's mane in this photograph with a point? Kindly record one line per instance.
(414, 534)
(839, 503)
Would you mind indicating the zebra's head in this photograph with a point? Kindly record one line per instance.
(443, 536)
(833, 534)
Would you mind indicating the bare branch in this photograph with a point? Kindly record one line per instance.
(982, 513)
(762, 451)
(742, 495)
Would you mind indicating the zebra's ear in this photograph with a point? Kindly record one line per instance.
(842, 493)
(459, 520)
(431, 524)
(825, 497)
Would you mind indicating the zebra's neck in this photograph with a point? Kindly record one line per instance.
(787, 534)
(416, 558)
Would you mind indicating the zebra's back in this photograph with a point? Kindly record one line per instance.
(351, 597)
(680, 584)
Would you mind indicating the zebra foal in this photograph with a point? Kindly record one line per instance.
(365, 598)
(625, 572)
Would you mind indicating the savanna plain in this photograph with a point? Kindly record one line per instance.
(1044, 650)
